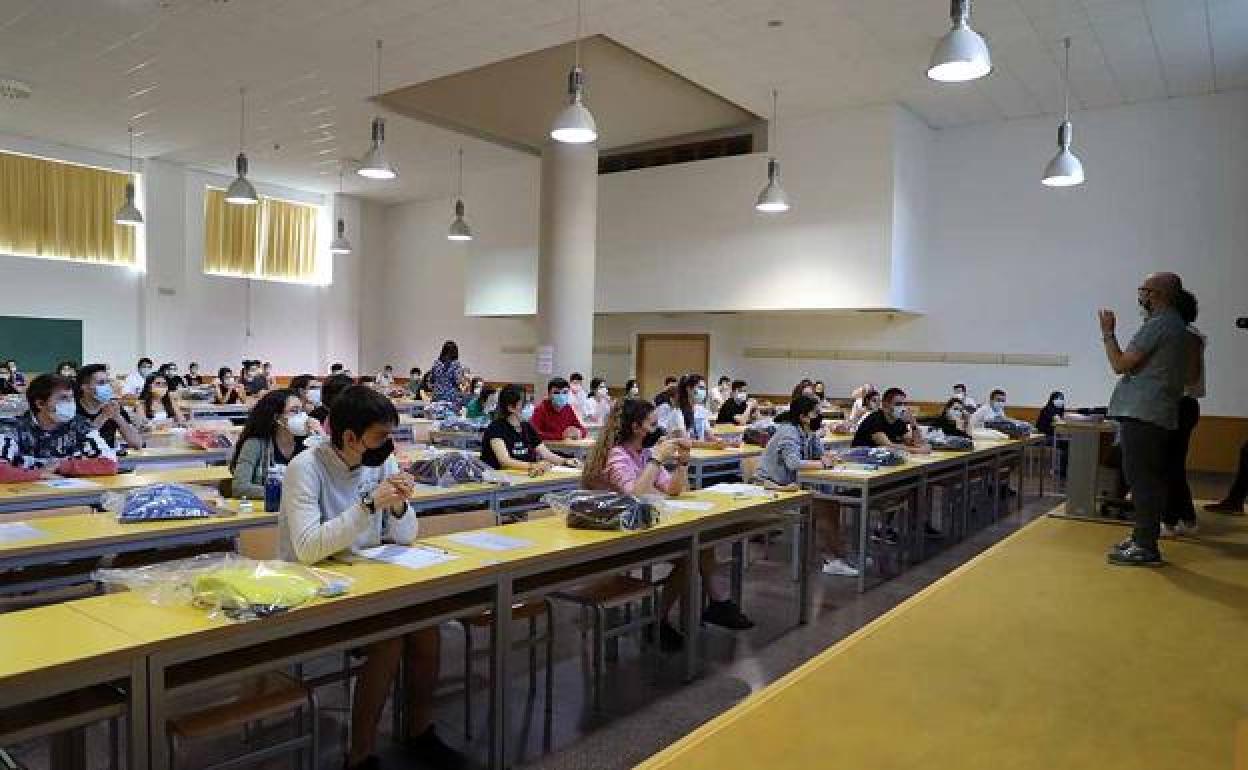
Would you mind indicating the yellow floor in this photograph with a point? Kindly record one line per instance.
(1034, 655)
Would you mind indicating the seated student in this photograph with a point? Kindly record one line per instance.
(953, 420)
(170, 373)
(865, 403)
(599, 402)
(308, 389)
(510, 443)
(228, 390)
(15, 375)
(337, 369)
(52, 430)
(255, 381)
(993, 409)
(475, 385)
(333, 386)
(668, 394)
(156, 404)
(413, 383)
(719, 395)
(891, 426)
(554, 419)
(796, 447)
(688, 417)
(345, 494)
(68, 370)
(274, 434)
(804, 388)
(426, 387)
(193, 377)
(385, 378)
(632, 389)
(820, 393)
(578, 397)
(959, 392)
(8, 386)
(97, 401)
(630, 458)
(479, 405)
(739, 409)
(1052, 410)
(138, 378)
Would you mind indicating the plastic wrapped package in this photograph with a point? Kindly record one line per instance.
(198, 392)
(939, 440)
(86, 466)
(759, 432)
(446, 469)
(1011, 428)
(874, 455)
(462, 425)
(228, 585)
(594, 509)
(440, 410)
(209, 438)
(158, 502)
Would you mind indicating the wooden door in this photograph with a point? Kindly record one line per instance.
(661, 355)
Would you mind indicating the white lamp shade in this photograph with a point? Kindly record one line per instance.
(241, 193)
(375, 166)
(772, 199)
(129, 213)
(574, 125)
(340, 244)
(961, 55)
(460, 231)
(1064, 170)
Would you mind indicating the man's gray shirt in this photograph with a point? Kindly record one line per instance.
(1151, 393)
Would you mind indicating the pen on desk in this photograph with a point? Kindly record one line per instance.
(434, 548)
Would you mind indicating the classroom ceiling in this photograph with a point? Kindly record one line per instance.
(173, 67)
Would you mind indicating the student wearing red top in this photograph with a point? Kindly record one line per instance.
(554, 419)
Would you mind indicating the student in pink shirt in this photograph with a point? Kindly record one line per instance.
(630, 457)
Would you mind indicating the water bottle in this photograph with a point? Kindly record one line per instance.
(273, 489)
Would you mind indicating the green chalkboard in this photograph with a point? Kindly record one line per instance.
(39, 344)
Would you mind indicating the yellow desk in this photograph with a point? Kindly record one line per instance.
(51, 651)
(706, 466)
(975, 674)
(155, 456)
(35, 495)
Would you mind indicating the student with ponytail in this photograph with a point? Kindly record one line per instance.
(631, 458)
(688, 418)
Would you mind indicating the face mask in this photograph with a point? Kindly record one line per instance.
(1146, 308)
(602, 392)
(652, 438)
(741, 397)
(808, 393)
(634, 392)
(955, 414)
(899, 412)
(959, 394)
(173, 372)
(64, 411)
(145, 370)
(560, 400)
(67, 374)
(1059, 403)
(314, 395)
(526, 413)
(874, 406)
(159, 392)
(998, 406)
(576, 387)
(375, 458)
(228, 381)
(699, 395)
(297, 424)
(104, 392)
(476, 391)
(816, 423)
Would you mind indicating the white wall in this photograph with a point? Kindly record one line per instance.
(170, 310)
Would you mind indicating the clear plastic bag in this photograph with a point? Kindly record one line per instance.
(462, 424)
(446, 469)
(875, 455)
(158, 502)
(228, 585)
(595, 509)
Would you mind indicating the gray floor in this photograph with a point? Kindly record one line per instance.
(646, 706)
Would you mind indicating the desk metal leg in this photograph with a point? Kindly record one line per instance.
(964, 516)
(806, 531)
(863, 525)
(922, 515)
(691, 604)
(157, 705)
(738, 569)
(138, 739)
(996, 487)
(500, 641)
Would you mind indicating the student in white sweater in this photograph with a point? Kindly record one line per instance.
(993, 409)
(349, 493)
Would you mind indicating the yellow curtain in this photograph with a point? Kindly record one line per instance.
(231, 234)
(63, 211)
(289, 238)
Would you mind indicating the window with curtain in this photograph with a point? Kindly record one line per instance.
(275, 239)
(60, 210)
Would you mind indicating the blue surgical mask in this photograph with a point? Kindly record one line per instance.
(699, 394)
(1059, 403)
(560, 400)
(64, 411)
(314, 395)
(899, 412)
(526, 413)
(104, 392)
(998, 405)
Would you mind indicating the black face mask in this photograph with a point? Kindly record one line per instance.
(651, 438)
(376, 457)
(816, 423)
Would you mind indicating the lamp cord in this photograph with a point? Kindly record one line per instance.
(1066, 81)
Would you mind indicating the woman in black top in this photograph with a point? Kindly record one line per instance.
(510, 443)
(193, 376)
(331, 388)
(228, 390)
(170, 371)
(1054, 408)
(156, 403)
(952, 420)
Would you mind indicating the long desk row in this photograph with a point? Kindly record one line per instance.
(706, 466)
(161, 652)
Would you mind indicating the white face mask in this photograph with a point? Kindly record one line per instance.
(297, 424)
(634, 392)
(741, 396)
(873, 406)
(64, 411)
(699, 395)
(228, 381)
(314, 395)
(527, 412)
(602, 391)
(955, 414)
(998, 405)
(1060, 403)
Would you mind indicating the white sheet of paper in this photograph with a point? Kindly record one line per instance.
(738, 490)
(16, 531)
(70, 484)
(688, 505)
(489, 541)
(410, 556)
(564, 469)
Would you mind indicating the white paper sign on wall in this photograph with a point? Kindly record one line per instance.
(545, 359)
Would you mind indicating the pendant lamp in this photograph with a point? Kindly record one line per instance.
(375, 165)
(129, 213)
(240, 192)
(772, 199)
(1065, 170)
(574, 124)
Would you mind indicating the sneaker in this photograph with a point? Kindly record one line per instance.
(931, 533)
(1226, 506)
(1124, 545)
(1169, 531)
(1135, 556)
(430, 751)
(726, 614)
(839, 567)
(670, 640)
(1187, 528)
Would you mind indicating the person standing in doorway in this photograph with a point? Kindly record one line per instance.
(1146, 404)
(1179, 516)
